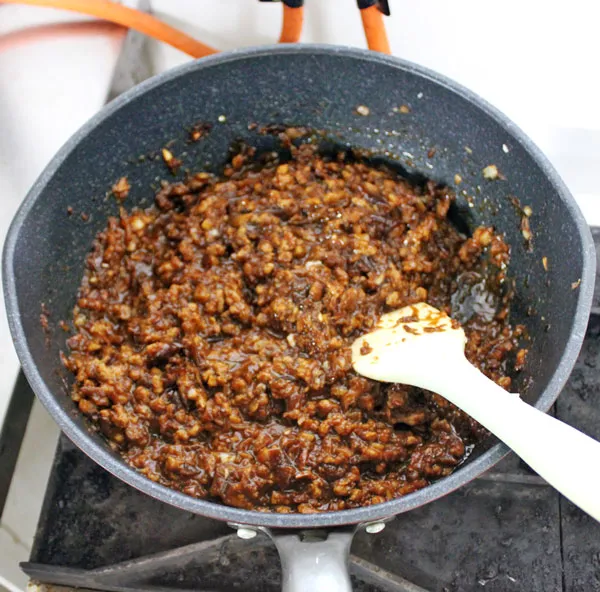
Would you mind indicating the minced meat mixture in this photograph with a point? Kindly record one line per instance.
(212, 333)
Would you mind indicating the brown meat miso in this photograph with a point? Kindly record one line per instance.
(212, 333)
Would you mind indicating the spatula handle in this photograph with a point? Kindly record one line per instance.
(565, 457)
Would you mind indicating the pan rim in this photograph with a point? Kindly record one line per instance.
(114, 465)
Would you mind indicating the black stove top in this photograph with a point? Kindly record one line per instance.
(506, 531)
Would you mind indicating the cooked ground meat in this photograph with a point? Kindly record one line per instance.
(212, 333)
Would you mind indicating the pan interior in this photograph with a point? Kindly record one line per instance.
(392, 110)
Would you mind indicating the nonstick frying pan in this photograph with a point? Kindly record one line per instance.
(356, 97)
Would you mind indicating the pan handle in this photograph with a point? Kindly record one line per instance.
(314, 560)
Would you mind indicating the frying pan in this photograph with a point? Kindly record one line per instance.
(320, 87)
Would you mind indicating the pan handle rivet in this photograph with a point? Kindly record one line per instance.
(246, 533)
(374, 527)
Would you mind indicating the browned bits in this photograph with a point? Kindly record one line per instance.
(121, 188)
(170, 160)
(365, 348)
(491, 172)
(526, 229)
(505, 382)
(199, 130)
(45, 323)
(520, 359)
(213, 331)
(484, 236)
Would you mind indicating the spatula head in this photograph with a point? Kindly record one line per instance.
(411, 345)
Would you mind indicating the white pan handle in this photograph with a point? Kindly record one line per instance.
(565, 457)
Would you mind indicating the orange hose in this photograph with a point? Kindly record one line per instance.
(374, 27)
(51, 31)
(127, 17)
(291, 28)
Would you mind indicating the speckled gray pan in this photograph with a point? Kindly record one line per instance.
(320, 87)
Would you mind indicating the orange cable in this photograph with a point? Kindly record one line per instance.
(35, 33)
(291, 29)
(374, 27)
(128, 17)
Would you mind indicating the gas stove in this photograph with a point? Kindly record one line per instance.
(505, 531)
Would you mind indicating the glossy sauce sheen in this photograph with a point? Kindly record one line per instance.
(212, 333)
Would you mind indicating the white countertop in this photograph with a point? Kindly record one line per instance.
(534, 60)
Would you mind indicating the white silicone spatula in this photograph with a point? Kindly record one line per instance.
(421, 346)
